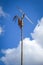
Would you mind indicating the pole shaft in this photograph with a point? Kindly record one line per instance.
(22, 45)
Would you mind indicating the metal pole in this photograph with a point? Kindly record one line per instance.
(22, 45)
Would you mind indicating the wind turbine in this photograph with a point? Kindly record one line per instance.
(20, 23)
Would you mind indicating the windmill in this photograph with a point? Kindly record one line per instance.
(20, 23)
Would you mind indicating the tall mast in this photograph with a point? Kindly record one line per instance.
(22, 44)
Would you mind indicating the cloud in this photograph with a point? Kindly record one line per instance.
(33, 54)
(38, 32)
(1, 30)
(2, 13)
(12, 56)
(32, 49)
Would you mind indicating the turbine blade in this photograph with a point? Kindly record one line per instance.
(20, 10)
(15, 17)
(28, 19)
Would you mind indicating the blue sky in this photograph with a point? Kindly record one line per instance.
(10, 37)
(12, 31)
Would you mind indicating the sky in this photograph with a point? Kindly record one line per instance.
(10, 39)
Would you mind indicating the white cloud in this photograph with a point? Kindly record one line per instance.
(38, 32)
(1, 30)
(12, 56)
(33, 52)
(2, 13)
